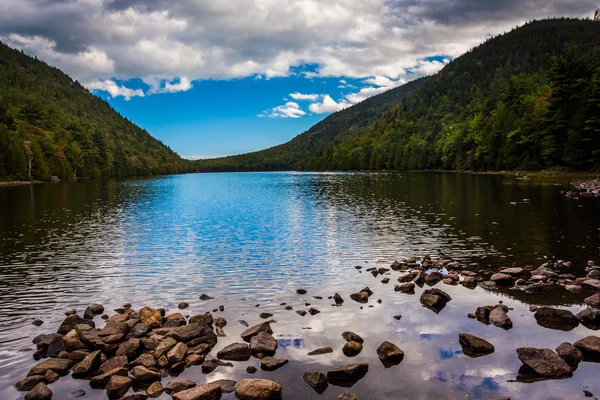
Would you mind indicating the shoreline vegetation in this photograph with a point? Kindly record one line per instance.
(139, 348)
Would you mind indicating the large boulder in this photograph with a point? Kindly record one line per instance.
(554, 318)
(258, 389)
(474, 346)
(544, 362)
(235, 352)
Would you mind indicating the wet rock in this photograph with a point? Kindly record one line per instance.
(474, 346)
(100, 381)
(317, 380)
(178, 385)
(235, 352)
(154, 390)
(143, 374)
(28, 383)
(571, 354)
(590, 318)
(255, 330)
(338, 299)
(129, 349)
(347, 375)
(489, 285)
(544, 362)
(352, 337)
(352, 348)
(71, 321)
(151, 317)
(408, 288)
(251, 369)
(202, 319)
(114, 327)
(112, 363)
(177, 353)
(59, 365)
(589, 284)
(590, 347)
(272, 363)
(209, 366)
(435, 299)
(117, 386)
(512, 271)
(88, 365)
(258, 389)
(593, 300)
(94, 309)
(205, 297)
(554, 318)
(389, 353)
(544, 271)
(501, 278)
(263, 344)
(322, 350)
(39, 392)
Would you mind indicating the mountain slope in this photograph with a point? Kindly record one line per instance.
(51, 125)
(527, 99)
(321, 137)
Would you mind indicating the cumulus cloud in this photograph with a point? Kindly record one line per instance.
(205, 39)
(114, 89)
(301, 96)
(328, 105)
(288, 110)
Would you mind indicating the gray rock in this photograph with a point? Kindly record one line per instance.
(499, 317)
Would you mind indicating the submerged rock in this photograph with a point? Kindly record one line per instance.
(317, 380)
(474, 346)
(209, 366)
(554, 318)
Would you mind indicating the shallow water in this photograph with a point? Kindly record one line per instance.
(255, 238)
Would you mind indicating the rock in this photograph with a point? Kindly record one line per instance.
(220, 322)
(272, 363)
(347, 375)
(94, 309)
(499, 318)
(544, 362)
(322, 350)
(89, 364)
(361, 297)
(489, 285)
(178, 385)
(589, 284)
(347, 396)
(352, 337)
(432, 278)
(313, 311)
(469, 281)
(129, 349)
(202, 319)
(117, 386)
(71, 321)
(28, 383)
(226, 385)
(44, 340)
(39, 392)
(206, 391)
(258, 389)
(251, 369)
(154, 390)
(205, 297)
(112, 363)
(138, 330)
(408, 288)
(266, 315)
(255, 330)
(554, 318)
(590, 347)
(37, 322)
(177, 353)
(594, 274)
(209, 366)
(388, 351)
(385, 280)
(474, 346)
(301, 313)
(571, 354)
(78, 393)
(59, 365)
(235, 352)
(593, 300)
(145, 360)
(191, 331)
(263, 344)
(316, 380)
(57, 345)
(151, 317)
(512, 271)
(590, 318)
(352, 348)
(435, 299)
(100, 381)
(338, 299)
(573, 288)
(183, 305)
(143, 374)
(164, 346)
(544, 271)
(501, 278)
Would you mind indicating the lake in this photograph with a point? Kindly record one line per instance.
(251, 240)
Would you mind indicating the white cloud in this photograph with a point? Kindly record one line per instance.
(301, 96)
(327, 105)
(176, 85)
(115, 90)
(288, 110)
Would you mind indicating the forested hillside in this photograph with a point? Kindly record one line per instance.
(51, 125)
(528, 99)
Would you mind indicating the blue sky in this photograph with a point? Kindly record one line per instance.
(212, 78)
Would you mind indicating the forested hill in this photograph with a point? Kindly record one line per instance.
(51, 125)
(527, 99)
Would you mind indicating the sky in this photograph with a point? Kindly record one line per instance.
(219, 77)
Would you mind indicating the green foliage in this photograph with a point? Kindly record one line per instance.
(528, 99)
(51, 125)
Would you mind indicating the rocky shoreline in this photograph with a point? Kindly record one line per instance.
(136, 349)
(587, 188)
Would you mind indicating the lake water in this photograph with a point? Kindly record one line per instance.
(252, 239)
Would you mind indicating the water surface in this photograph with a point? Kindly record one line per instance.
(253, 238)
